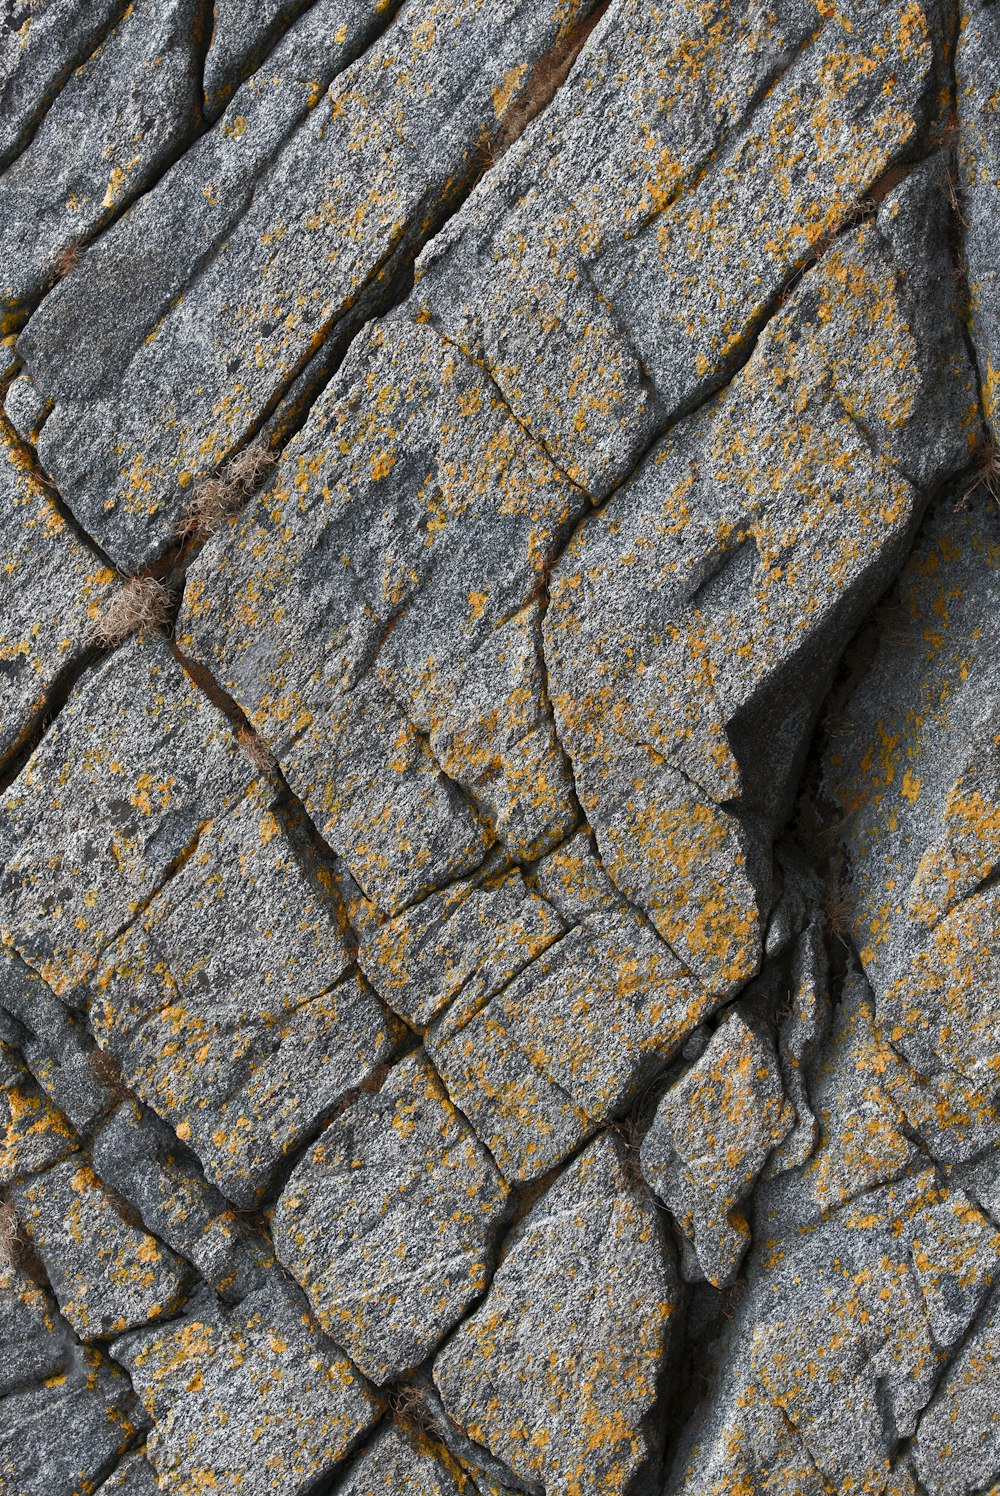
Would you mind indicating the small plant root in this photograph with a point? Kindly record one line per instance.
(986, 475)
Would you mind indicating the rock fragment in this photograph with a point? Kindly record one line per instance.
(66, 1413)
(140, 1157)
(108, 1274)
(557, 1371)
(150, 762)
(44, 47)
(711, 1137)
(231, 1004)
(544, 1008)
(188, 212)
(389, 1220)
(396, 139)
(33, 1133)
(916, 777)
(253, 1400)
(696, 609)
(133, 1477)
(54, 587)
(976, 96)
(957, 1446)
(415, 729)
(114, 124)
(403, 1459)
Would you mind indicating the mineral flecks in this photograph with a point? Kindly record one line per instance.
(499, 748)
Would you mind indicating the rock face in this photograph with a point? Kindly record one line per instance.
(557, 1369)
(388, 1221)
(499, 748)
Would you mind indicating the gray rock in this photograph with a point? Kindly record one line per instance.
(539, 1059)
(916, 775)
(151, 762)
(707, 599)
(231, 1004)
(388, 1222)
(26, 407)
(43, 44)
(416, 729)
(54, 586)
(406, 1459)
(466, 942)
(66, 1412)
(33, 1133)
(76, 1076)
(802, 1030)
(241, 34)
(36, 1341)
(255, 1400)
(134, 1477)
(557, 1372)
(977, 74)
(140, 1157)
(711, 1137)
(168, 235)
(843, 1339)
(957, 1447)
(397, 138)
(617, 264)
(116, 121)
(107, 1273)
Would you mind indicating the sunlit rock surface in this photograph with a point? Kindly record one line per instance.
(500, 748)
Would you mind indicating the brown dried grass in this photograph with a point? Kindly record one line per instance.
(140, 604)
(257, 751)
(217, 497)
(10, 1235)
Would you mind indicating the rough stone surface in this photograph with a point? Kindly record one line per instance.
(66, 1412)
(710, 1138)
(401, 1459)
(54, 587)
(254, 1399)
(115, 122)
(393, 141)
(500, 753)
(107, 1274)
(242, 1078)
(977, 97)
(388, 1222)
(557, 1370)
(150, 762)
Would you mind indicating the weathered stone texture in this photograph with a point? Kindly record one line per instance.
(557, 1370)
(54, 588)
(252, 1400)
(500, 753)
(388, 1222)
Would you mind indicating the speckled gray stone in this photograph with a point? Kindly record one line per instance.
(254, 1399)
(107, 1273)
(389, 1221)
(557, 1371)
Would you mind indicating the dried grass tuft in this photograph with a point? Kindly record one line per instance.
(141, 603)
(408, 1404)
(987, 475)
(256, 750)
(10, 1235)
(216, 498)
(65, 261)
(837, 910)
